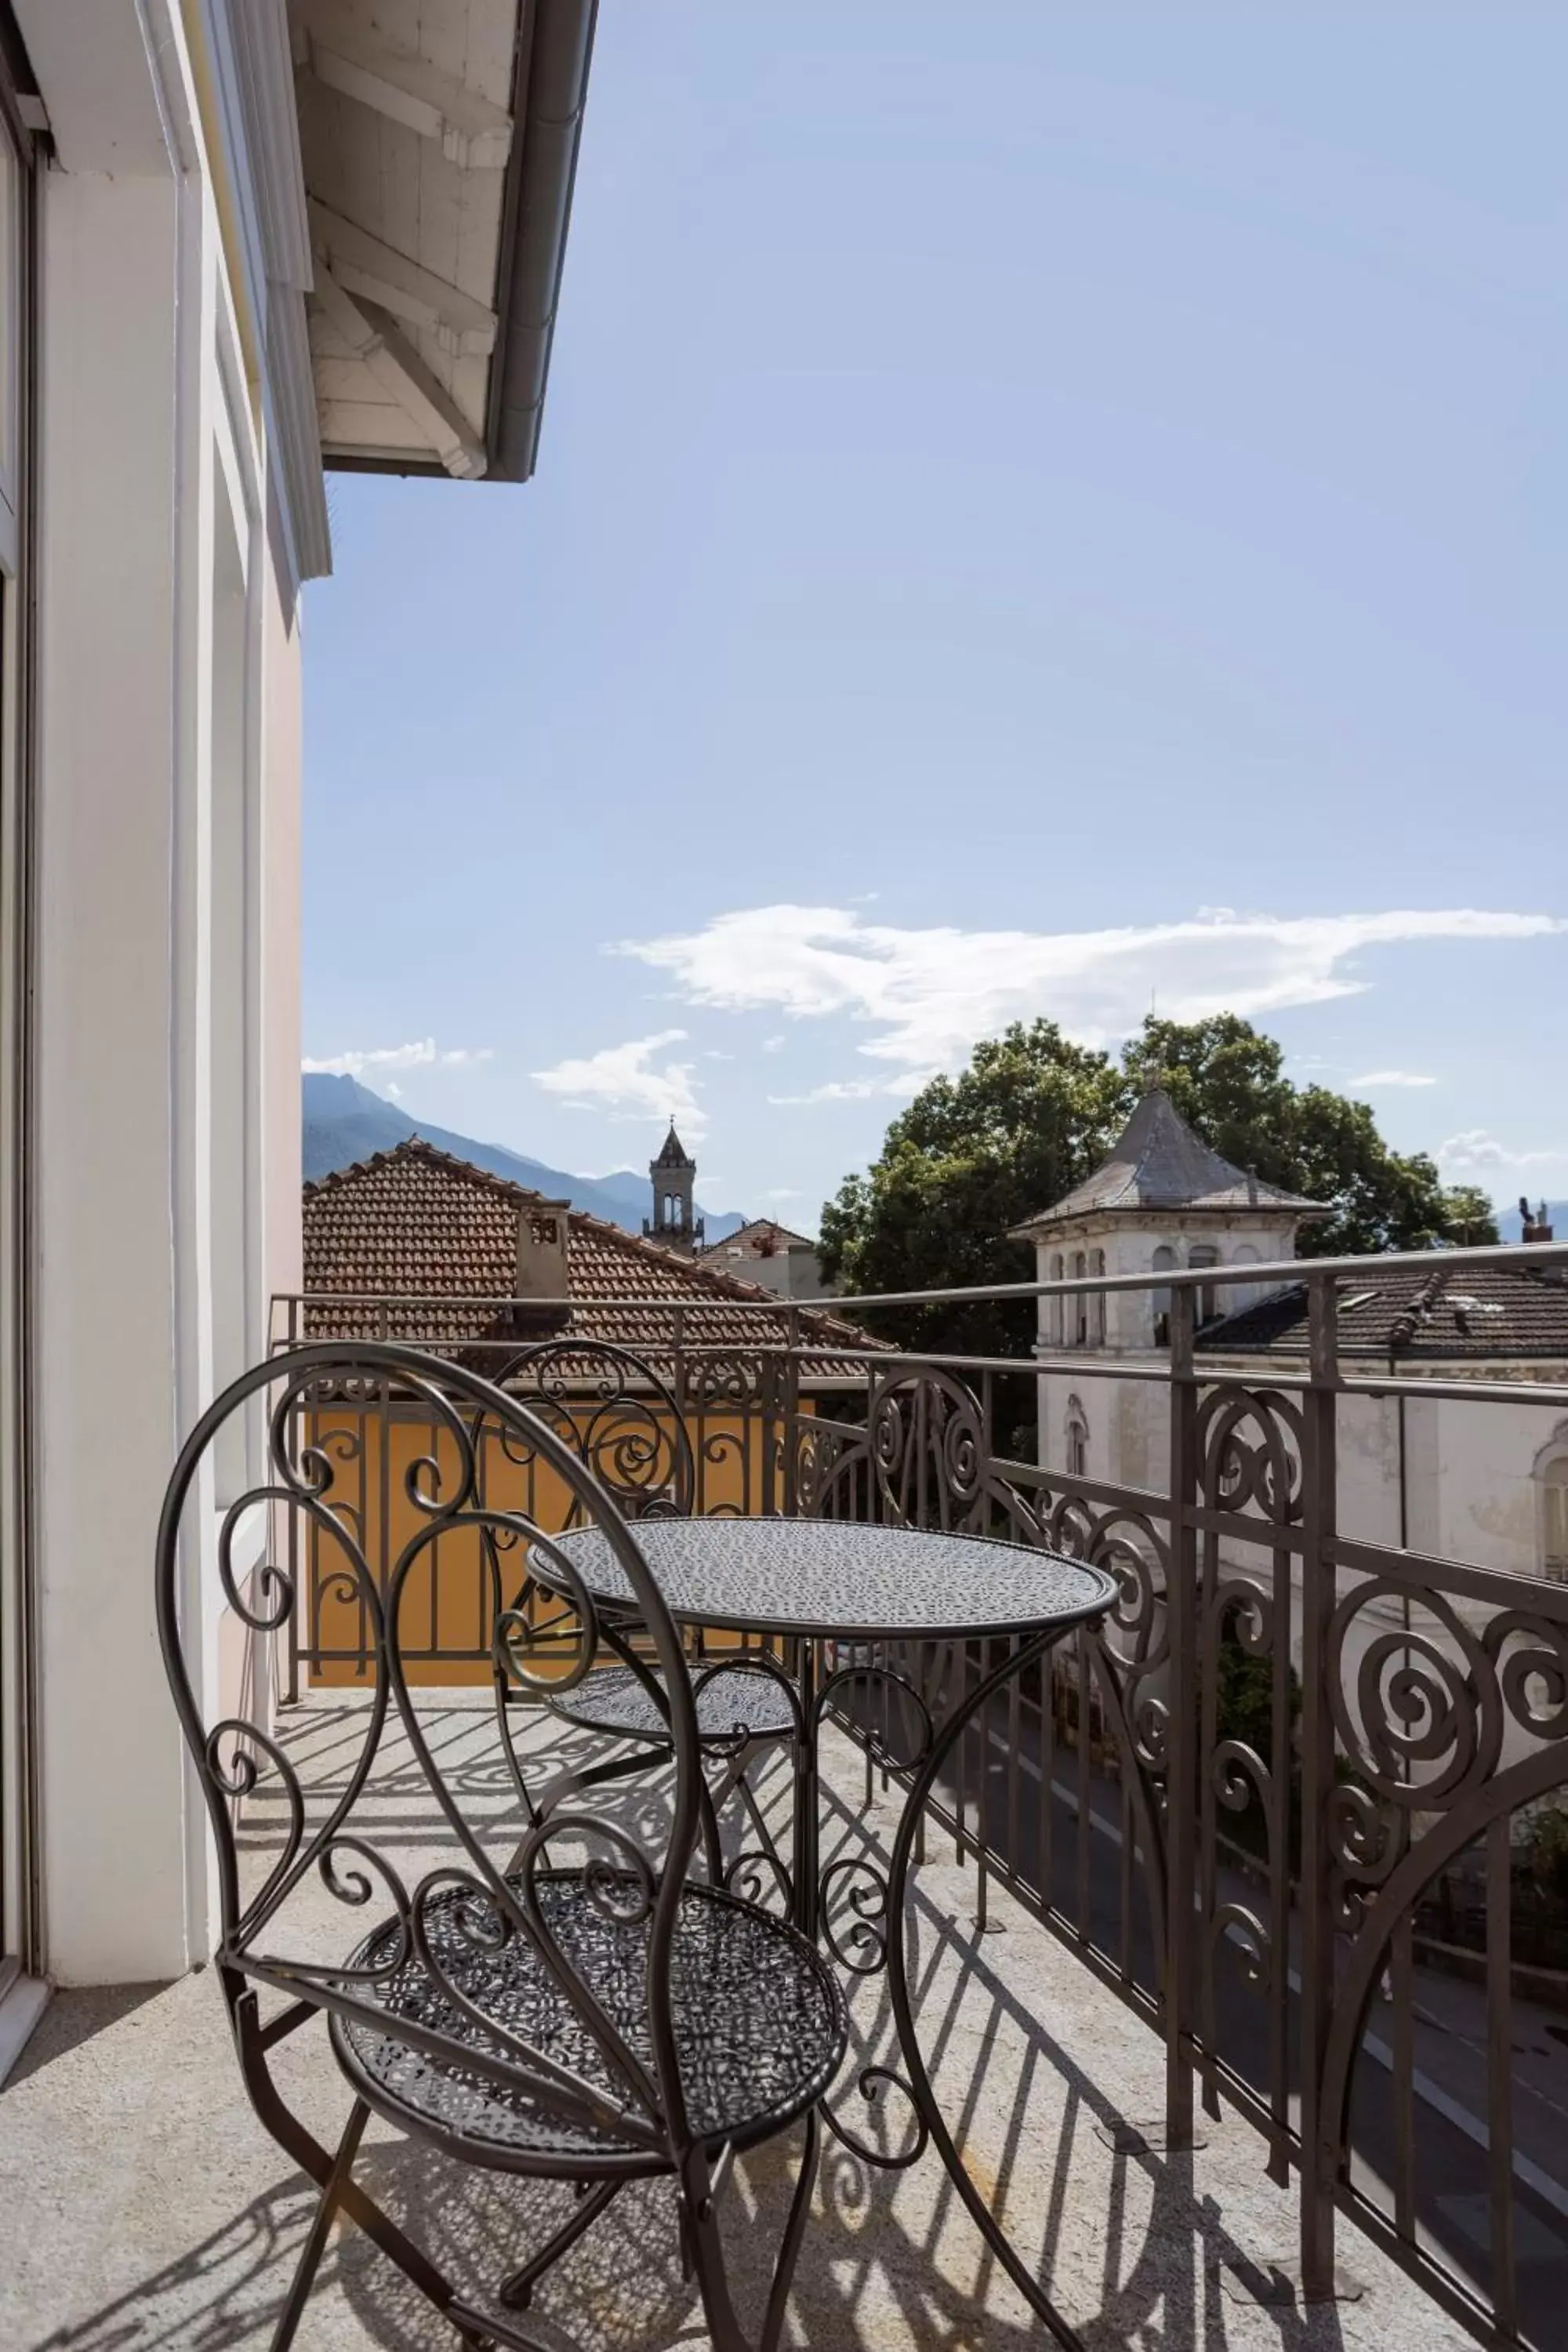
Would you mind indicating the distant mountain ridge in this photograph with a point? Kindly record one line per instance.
(345, 1121)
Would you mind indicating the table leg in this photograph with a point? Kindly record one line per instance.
(807, 1827)
(861, 1941)
(917, 2082)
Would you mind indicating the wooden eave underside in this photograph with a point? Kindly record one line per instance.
(407, 130)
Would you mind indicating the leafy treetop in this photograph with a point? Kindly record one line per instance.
(1033, 1114)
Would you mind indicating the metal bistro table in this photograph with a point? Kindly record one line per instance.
(809, 1582)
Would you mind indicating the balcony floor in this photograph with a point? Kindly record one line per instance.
(145, 2207)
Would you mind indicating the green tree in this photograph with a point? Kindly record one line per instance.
(1470, 1219)
(1227, 1079)
(1033, 1114)
(971, 1157)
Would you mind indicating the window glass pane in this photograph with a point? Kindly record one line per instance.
(1163, 1258)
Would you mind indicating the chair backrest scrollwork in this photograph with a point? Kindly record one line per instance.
(328, 1850)
(617, 1412)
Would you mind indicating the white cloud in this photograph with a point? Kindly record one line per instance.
(929, 995)
(1393, 1078)
(1477, 1148)
(783, 1193)
(625, 1080)
(395, 1090)
(376, 1061)
(902, 1084)
(771, 1045)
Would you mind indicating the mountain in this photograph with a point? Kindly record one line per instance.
(345, 1122)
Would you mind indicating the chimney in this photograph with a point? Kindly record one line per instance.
(542, 1269)
(1536, 1227)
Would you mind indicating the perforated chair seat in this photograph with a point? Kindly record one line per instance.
(758, 2019)
(732, 1704)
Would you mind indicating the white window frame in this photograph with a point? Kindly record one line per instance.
(1075, 1430)
(22, 1924)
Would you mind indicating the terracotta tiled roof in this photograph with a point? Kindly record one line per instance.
(1158, 1162)
(414, 1225)
(1468, 1313)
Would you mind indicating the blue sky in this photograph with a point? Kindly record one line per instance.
(1040, 509)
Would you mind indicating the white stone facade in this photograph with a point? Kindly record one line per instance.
(160, 503)
(170, 542)
(1470, 1482)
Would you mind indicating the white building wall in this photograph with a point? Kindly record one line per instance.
(113, 1768)
(168, 1047)
(1129, 1421)
(1454, 1479)
(1468, 1481)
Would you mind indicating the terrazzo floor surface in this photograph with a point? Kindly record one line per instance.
(142, 2206)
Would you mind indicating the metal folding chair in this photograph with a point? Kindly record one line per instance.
(600, 2019)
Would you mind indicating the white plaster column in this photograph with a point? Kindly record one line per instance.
(125, 1048)
(113, 1776)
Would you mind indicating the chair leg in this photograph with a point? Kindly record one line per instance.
(707, 2253)
(712, 1845)
(704, 2258)
(503, 1708)
(310, 2252)
(314, 2160)
(576, 1778)
(794, 2230)
(517, 2291)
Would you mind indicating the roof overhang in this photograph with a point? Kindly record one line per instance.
(440, 146)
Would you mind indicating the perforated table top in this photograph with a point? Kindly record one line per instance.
(831, 1578)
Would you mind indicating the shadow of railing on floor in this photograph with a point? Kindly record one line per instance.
(874, 2264)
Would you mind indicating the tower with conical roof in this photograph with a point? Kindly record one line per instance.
(673, 1176)
(1162, 1200)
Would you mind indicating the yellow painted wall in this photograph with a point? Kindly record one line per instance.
(447, 1600)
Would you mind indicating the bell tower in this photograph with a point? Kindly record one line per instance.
(673, 1175)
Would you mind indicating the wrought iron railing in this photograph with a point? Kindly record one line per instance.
(1302, 1804)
